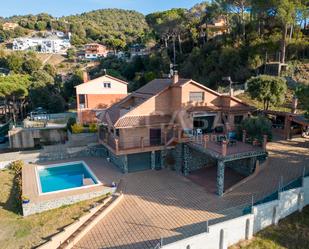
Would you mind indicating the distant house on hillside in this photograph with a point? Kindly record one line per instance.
(138, 50)
(219, 22)
(52, 43)
(218, 26)
(94, 51)
(9, 26)
(98, 94)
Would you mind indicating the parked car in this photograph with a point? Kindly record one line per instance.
(38, 114)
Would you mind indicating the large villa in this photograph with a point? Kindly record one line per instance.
(154, 124)
(165, 161)
(178, 117)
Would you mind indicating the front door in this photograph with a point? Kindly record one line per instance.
(155, 137)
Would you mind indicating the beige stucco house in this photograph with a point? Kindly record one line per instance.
(98, 94)
(162, 112)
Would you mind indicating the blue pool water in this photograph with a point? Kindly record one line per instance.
(62, 177)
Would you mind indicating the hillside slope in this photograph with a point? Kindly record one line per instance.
(114, 27)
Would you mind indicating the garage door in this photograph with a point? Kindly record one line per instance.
(139, 162)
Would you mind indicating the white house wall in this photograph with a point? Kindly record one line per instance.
(224, 234)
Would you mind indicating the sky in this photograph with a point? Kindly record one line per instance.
(67, 7)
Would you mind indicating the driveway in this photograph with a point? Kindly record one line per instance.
(163, 204)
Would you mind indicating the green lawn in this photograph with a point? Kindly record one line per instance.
(19, 232)
(291, 233)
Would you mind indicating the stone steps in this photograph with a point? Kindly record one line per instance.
(91, 222)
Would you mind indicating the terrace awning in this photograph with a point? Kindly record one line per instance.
(300, 119)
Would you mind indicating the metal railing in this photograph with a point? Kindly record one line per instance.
(296, 183)
(118, 143)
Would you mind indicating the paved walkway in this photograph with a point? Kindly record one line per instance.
(163, 204)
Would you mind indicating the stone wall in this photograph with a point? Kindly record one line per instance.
(177, 155)
(90, 151)
(244, 166)
(32, 208)
(196, 160)
(120, 161)
(81, 139)
(199, 160)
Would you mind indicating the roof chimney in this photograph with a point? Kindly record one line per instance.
(175, 77)
(105, 71)
(85, 77)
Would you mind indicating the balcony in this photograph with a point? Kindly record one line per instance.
(222, 148)
(137, 144)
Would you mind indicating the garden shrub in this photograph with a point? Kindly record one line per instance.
(256, 127)
(70, 123)
(17, 167)
(77, 128)
(93, 128)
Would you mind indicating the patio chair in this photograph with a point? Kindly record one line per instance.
(232, 137)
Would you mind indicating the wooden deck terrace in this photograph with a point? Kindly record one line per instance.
(225, 149)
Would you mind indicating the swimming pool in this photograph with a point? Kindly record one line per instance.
(66, 176)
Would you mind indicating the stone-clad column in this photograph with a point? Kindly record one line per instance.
(125, 164)
(153, 160)
(186, 158)
(163, 156)
(220, 177)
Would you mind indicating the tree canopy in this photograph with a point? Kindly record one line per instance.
(268, 89)
(303, 94)
(256, 127)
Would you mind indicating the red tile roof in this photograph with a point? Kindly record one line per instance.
(234, 109)
(149, 90)
(113, 114)
(136, 121)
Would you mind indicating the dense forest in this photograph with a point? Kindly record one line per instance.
(255, 32)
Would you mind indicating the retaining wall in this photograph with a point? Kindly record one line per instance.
(81, 139)
(224, 234)
(219, 235)
(39, 207)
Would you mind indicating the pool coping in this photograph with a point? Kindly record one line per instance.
(38, 180)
